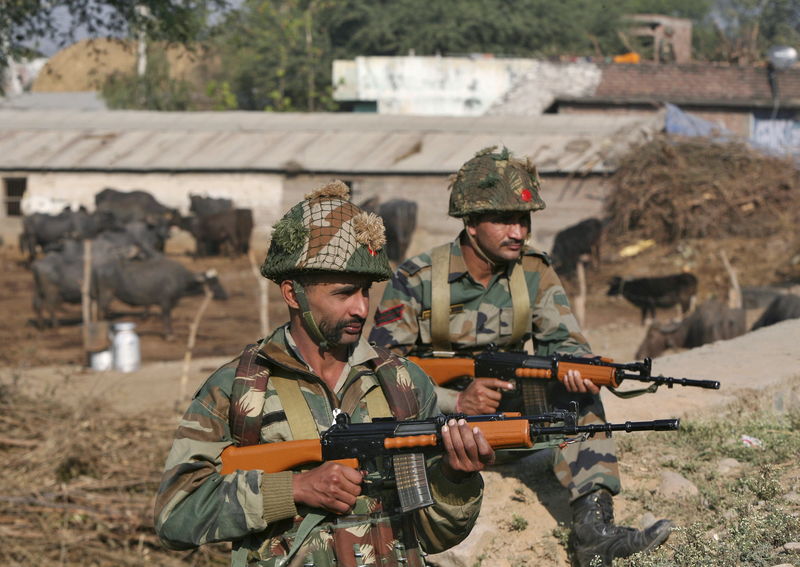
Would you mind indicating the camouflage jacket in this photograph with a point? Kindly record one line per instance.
(255, 510)
(479, 316)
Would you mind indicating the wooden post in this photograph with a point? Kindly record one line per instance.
(735, 291)
(86, 308)
(187, 357)
(580, 300)
(263, 312)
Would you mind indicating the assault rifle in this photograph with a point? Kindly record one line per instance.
(445, 368)
(407, 443)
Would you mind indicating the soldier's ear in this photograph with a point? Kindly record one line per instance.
(288, 294)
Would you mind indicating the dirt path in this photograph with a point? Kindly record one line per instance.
(760, 360)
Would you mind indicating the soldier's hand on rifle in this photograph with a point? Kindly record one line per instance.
(330, 486)
(574, 383)
(482, 396)
(466, 450)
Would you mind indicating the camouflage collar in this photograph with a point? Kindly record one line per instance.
(281, 349)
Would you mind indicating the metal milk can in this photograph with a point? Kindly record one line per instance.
(125, 347)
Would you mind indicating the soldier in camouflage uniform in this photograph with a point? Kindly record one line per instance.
(324, 254)
(499, 292)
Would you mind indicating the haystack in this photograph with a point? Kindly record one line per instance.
(674, 189)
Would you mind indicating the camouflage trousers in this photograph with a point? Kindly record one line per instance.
(357, 540)
(585, 466)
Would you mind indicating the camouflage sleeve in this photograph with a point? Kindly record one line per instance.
(555, 328)
(396, 325)
(456, 505)
(195, 504)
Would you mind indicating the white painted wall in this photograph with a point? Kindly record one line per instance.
(459, 86)
(50, 192)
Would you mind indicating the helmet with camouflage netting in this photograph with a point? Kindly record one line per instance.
(494, 181)
(325, 232)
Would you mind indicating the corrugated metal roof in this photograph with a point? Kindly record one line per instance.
(315, 143)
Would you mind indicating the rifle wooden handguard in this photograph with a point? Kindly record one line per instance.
(444, 370)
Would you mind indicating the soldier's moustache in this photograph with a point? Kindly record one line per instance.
(334, 335)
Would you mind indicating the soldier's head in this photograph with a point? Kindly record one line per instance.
(324, 254)
(495, 194)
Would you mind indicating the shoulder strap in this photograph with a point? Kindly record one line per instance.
(247, 397)
(298, 414)
(396, 386)
(520, 303)
(440, 297)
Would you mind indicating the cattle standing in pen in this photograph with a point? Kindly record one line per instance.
(202, 206)
(575, 243)
(649, 293)
(783, 307)
(400, 221)
(710, 322)
(155, 281)
(225, 232)
(49, 231)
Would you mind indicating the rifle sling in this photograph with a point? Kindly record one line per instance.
(440, 297)
(520, 303)
(633, 393)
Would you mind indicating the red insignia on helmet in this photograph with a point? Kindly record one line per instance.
(526, 195)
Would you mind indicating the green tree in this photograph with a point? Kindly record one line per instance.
(276, 55)
(156, 90)
(746, 29)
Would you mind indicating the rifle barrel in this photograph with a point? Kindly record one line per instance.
(655, 425)
(668, 381)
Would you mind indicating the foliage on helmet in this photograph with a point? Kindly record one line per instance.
(325, 232)
(495, 181)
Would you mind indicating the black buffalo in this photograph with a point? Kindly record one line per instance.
(47, 232)
(400, 220)
(782, 307)
(712, 321)
(575, 243)
(137, 205)
(155, 281)
(649, 293)
(226, 232)
(58, 276)
(202, 206)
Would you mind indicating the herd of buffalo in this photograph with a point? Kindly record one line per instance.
(128, 231)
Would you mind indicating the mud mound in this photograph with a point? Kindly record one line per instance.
(85, 65)
(673, 189)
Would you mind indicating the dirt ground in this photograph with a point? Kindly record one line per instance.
(48, 361)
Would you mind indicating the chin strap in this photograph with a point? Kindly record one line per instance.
(478, 250)
(308, 318)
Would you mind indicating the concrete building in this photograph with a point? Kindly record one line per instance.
(267, 161)
(454, 86)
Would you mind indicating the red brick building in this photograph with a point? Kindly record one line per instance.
(733, 96)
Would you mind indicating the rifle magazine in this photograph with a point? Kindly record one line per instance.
(411, 476)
